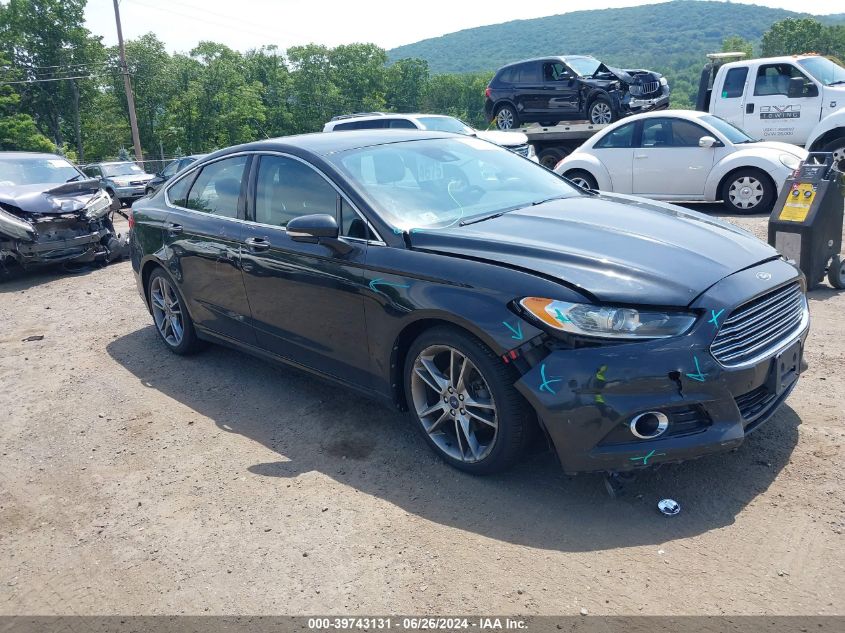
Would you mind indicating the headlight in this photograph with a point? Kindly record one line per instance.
(607, 321)
(663, 81)
(790, 161)
(98, 206)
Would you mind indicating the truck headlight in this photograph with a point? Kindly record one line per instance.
(607, 321)
(790, 161)
(663, 81)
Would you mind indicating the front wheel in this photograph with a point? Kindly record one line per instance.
(601, 112)
(837, 148)
(749, 191)
(582, 178)
(507, 118)
(464, 402)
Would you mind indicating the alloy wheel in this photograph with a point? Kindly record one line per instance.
(454, 403)
(504, 119)
(600, 113)
(167, 311)
(581, 182)
(746, 192)
(839, 158)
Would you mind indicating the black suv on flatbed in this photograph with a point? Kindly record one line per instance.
(570, 88)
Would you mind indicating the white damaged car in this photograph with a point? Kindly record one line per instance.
(682, 155)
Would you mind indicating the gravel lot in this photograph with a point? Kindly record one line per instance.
(138, 482)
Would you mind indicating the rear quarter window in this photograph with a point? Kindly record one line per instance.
(177, 193)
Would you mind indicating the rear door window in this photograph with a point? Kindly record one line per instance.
(734, 83)
(217, 189)
(528, 73)
(404, 124)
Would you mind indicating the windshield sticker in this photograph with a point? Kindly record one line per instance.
(714, 318)
(698, 375)
(780, 112)
(545, 385)
(516, 331)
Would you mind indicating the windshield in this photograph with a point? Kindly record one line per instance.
(729, 130)
(584, 66)
(39, 170)
(823, 70)
(438, 183)
(122, 169)
(445, 124)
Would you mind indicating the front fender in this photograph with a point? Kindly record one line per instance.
(590, 164)
(834, 121)
(744, 159)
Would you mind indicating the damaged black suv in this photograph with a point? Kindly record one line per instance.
(570, 88)
(52, 213)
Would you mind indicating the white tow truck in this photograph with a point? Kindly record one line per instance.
(796, 99)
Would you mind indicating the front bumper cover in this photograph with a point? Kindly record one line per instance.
(585, 398)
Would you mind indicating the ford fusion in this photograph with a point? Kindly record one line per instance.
(481, 292)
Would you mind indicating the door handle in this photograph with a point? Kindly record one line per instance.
(257, 244)
(640, 155)
(749, 108)
(173, 229)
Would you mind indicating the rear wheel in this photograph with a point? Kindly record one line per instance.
(582, 178)
(464, 402)
(550, 157)
(507, 117)
(171, 318)
(601, 112)
(836, 272)
(837, 148)
(749, 191)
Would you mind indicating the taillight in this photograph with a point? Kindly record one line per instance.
(131, 217)
(487, 92)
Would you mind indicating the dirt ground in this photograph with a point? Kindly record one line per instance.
(133, 481)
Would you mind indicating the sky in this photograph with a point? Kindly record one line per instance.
(245, 24)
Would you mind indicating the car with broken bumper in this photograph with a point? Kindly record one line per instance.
(51, 213)
(484, 294)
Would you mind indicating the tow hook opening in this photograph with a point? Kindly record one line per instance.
(649, 425)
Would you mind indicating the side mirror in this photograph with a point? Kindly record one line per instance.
(310, 228)
(707, 141)
(796, 87)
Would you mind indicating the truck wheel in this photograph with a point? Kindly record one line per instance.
(507, 118)
(836, 272)
(837, 148)
(550, 157)
(601, 112)
(749, 191)
(582, 178)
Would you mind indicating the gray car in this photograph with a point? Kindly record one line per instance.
(123, 181)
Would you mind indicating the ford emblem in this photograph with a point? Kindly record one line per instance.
(764, 276)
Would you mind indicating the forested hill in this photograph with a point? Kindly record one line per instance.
(665, 37)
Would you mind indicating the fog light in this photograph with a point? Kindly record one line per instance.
(649, 425)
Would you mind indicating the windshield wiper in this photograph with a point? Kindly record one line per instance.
(72, 178)
(837, 82)
(545, 200)
(508, 210)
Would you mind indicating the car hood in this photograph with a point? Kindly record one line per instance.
(47, 198)
(612, 248)
(787, 148)
(505, 139)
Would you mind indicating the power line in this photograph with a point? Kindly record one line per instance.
(38, 81)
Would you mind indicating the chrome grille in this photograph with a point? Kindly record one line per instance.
(761, 326)
(522, 150)
(644, 88)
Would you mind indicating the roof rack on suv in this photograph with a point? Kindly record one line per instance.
(356, 114)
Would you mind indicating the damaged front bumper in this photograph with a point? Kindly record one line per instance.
(587, 398)
(629, 104)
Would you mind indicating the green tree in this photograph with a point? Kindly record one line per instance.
(734, 43)
(802, 35)
(406, 81)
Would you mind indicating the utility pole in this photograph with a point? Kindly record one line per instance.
(127, 86)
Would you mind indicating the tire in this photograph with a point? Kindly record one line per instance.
(502, 438)
(549, 123)
(583, 179)
(507, 117)
(749, 191)
(161, 284)
(837, 148)
(550, 157)
(836, 272)
(601, 112)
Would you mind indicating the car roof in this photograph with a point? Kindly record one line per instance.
(781, 59)
(377, 116)
(549, 58)
(324, 144)
(30, 155)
